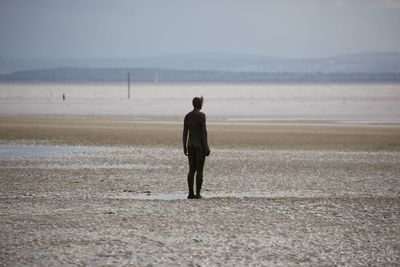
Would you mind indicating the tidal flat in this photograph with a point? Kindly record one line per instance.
(107, 191)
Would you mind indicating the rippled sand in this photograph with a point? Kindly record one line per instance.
(90, 192)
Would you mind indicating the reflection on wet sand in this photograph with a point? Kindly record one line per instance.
(209, 195)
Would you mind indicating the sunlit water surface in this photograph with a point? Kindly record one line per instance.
(376, 103)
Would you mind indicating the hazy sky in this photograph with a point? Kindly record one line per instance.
(129, 28)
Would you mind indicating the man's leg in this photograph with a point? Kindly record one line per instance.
(199, 172)
(192, 170)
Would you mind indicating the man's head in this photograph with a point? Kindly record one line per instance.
(197, 102)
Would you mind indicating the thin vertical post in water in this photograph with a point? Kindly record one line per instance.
(129, 85)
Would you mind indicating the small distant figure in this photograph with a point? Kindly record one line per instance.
(195, 145)
(63, 96)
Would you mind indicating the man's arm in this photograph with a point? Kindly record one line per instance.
(185, 136)
(204, 136)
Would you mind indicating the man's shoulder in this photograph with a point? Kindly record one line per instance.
(189, 114)
(200, 114)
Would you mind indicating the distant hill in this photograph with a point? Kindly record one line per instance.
(144, 75)
(387, 62)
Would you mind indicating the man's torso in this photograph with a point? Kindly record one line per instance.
(195, 123)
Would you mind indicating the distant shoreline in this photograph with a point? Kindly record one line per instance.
(168, 76)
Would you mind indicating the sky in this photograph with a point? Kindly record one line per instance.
(130, 28)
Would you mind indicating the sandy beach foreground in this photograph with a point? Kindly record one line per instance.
(101, 190)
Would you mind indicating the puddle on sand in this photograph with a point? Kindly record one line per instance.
(7, 151)
(278, 194)
(104, 166)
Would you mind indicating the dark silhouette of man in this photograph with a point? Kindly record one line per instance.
(195, 145)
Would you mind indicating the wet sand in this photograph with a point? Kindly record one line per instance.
(122, 131)
(101, 190)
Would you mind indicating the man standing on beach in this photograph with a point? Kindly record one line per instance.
(196, 146)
